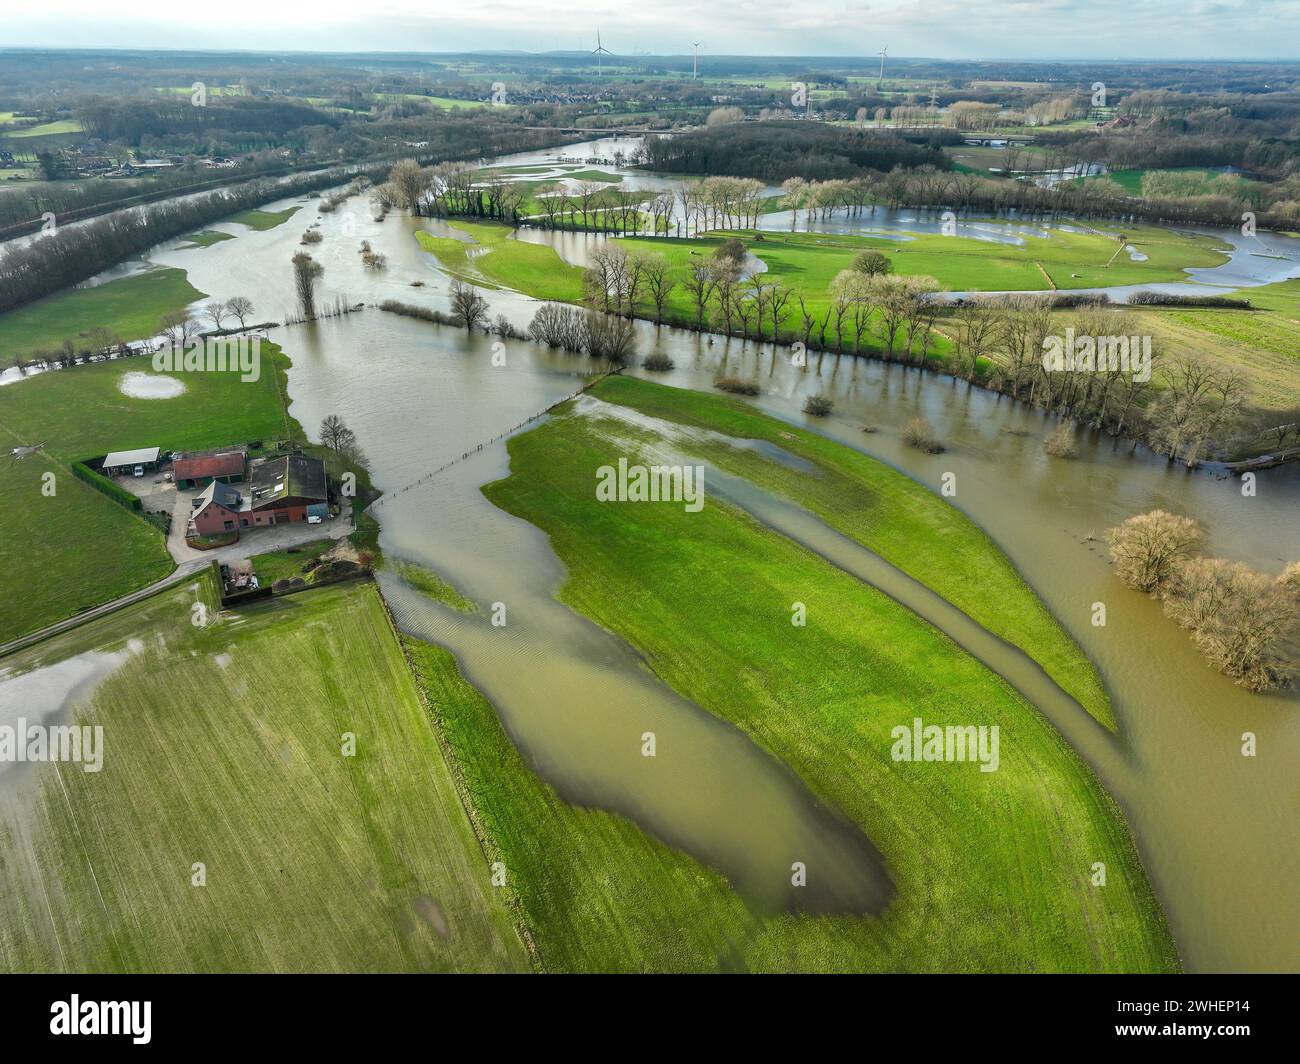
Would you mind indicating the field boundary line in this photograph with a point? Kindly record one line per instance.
(457, 773)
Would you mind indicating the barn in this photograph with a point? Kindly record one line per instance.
(290, 488)
(201, 468)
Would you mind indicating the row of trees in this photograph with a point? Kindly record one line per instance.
(1246, 623)
(100, 342)
(73, 253)
(1181, 408)
(773, 151)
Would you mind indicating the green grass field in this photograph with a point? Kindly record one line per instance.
(287, 564)
(885, 511)
(207, 238)
(808, 263)
(498, 259)
(991, 869)
(216, 408)
(223, 745)
(263, 220)
(46, 129)
(129, 307)
(1263, 344)
(68, 551)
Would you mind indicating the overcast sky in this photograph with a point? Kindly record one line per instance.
(974, 29)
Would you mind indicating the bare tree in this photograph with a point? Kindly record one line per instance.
(216, 312)
(241, 307)
(409, 182)
(335, 434)
(659, 283)
(467, 305)
(1244, 622)
(1148, 549)
(306, 271)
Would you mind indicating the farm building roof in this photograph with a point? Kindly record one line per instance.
(140, 456)
(290, 477)
(195, 467)
(221, 494)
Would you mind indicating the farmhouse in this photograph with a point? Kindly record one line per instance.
(201, 468)
(217, 509)
(285, 489)
(290, 488)
(125, 461)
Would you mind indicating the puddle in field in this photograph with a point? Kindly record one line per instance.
(150, 386)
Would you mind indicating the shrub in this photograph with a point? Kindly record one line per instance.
(818, 406)
(1148, 549)
(312, 236)
(556, 325)
(1162, 299)
(410, 310)
(737, 386)
(1060, 444)
(503, 327)
(919, 433)
(658, 363)
(1241, 621)
(609, 337)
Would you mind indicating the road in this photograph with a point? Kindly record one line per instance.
(181, 572)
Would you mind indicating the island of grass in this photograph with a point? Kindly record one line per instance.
(263, 220)
(205, 239)
(129, 308)
(888, 513)
(226, 747)
(991, 869)
(494, 257)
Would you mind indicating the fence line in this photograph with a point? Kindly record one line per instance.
(486, 443)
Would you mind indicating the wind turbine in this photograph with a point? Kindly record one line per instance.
(881, 80)
(695, 63)
(598, 51)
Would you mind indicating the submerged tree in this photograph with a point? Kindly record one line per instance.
(467, 305)
(1148, 549)
(306, 271)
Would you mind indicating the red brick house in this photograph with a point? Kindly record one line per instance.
(216, 510)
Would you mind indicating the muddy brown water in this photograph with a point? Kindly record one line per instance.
(1219, 833)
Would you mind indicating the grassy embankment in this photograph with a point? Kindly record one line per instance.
(991, 868)
(128, 307)
(80, 548)
(888, 513)
(223, 745)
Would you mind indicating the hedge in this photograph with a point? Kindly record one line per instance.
(102, 484)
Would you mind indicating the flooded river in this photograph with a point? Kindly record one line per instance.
(1219, 833)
